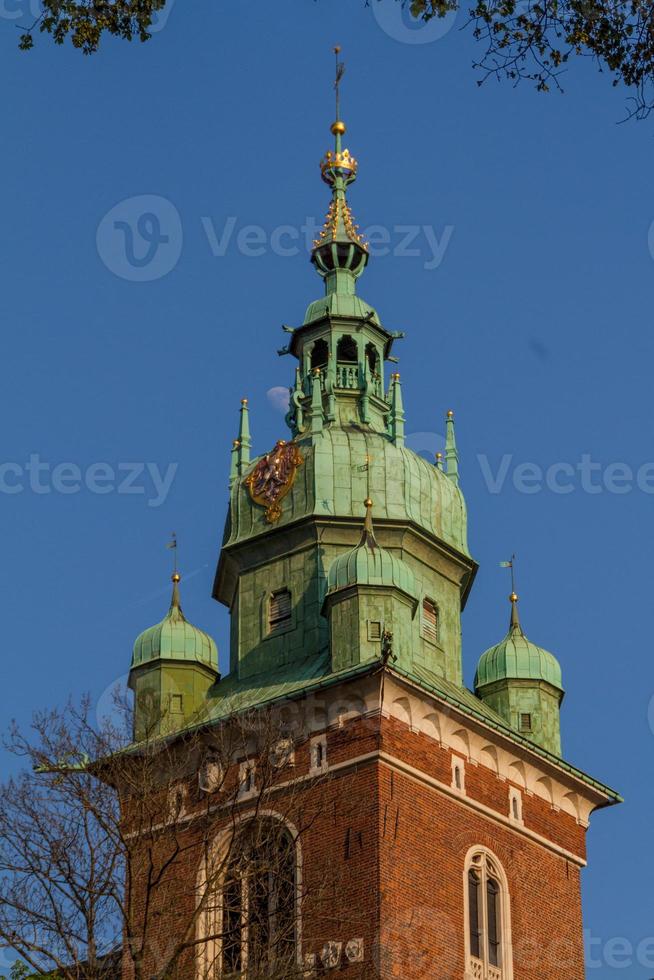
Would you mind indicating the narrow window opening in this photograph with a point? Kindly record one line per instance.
(176, 704)
(525, 722)
(318, 754)
(474, 885)
(493, 898)
(458, 774)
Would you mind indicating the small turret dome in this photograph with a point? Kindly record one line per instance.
(516, 658)
(174, 638)
(368, 564)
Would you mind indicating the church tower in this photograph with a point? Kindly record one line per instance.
(454, 826)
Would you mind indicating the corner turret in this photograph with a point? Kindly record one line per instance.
(370, 603)
(174, 665)
(522, 683)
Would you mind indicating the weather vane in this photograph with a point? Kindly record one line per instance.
(510, 564)
(172, 545)
(340, 71)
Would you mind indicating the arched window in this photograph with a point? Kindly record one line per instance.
(488, 922)
(250, 925)
(347, 350)
(319, 354)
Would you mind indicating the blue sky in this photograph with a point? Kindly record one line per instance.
(527, 309)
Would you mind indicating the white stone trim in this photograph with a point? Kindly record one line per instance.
(500, 818)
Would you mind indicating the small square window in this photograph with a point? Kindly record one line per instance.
(525, 722)
(374, 630)
(176, 704)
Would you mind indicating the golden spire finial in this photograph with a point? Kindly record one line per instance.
(450, 414)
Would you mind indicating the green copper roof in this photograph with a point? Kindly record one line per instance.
(174, 638)
(516, 658)
(368, 564)
(332, 481)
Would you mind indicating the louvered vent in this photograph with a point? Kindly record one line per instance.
(280, 609)
(430, 625)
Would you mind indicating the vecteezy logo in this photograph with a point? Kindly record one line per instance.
(396, 20)
(160, 17)
(141, 238)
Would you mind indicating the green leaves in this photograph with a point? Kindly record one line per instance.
(84, 22)
(535, 39)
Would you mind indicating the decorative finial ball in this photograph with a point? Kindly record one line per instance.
(236, 443)
(368, 502)
(450, 414)
(337, 49)
(176, 577)
(439, 455)
(513, 597)
(244, 401)
(338, 128)
(316, 372)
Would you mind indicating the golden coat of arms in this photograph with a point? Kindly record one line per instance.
(272, 478)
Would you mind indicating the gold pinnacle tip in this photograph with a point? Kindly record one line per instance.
(450, 414)
(368, 502)
(176, 577)
(236, 443)
(439, 455)
(337, 49)
(513, 597)
(338, 128)
(244, 401)
(316, 372)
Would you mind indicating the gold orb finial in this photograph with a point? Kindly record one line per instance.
(513, 597)
(337, 49)
(368, 502)
(450, 414)
(176, 577)
(236, 443)
(439, 455)
(316, 372)
(244, 401)
(338, 128)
